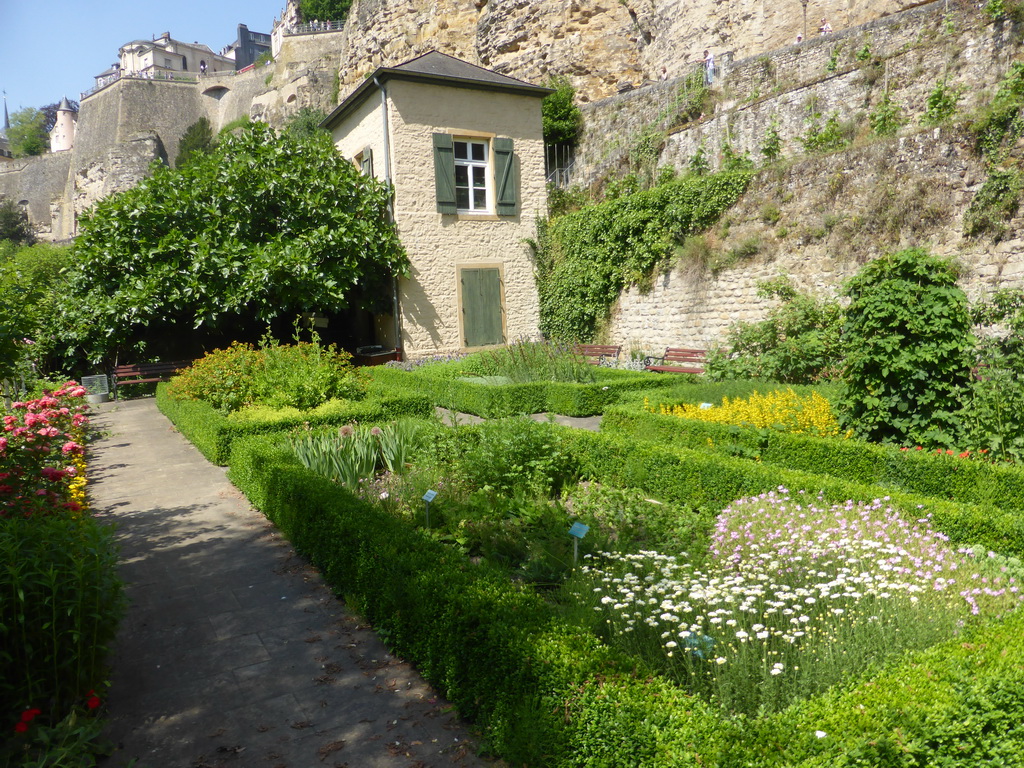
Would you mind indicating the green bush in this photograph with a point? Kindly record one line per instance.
(302, 375)
(60, 603)
(907, 340)
(796, 344)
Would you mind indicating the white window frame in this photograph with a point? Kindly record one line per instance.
(468, 162)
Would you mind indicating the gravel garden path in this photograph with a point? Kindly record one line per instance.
(233, 651)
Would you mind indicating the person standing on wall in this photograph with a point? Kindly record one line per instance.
(709, 68)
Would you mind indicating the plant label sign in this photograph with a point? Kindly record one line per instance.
(429, 496)
(579, 530)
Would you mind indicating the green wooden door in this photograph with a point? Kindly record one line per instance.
(481, 307)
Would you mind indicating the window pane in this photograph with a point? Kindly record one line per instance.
(460, 150)
(462, 198)
(479, 176)
(479, 199)
(479, 151)
(462, 175)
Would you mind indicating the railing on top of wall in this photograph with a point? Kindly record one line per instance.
(167, 77)
(315, 26)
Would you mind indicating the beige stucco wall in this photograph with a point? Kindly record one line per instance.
(438, 245)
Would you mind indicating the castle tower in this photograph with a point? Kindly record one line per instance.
(62, 137)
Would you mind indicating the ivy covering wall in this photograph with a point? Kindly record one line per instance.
(586, 258)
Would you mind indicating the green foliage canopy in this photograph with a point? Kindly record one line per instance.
(908, 346)
(324, 10)
(266, 225)
(14, 224)
(586, 258)
(562, 119)
(197, 140)
(30, 281)
(306, 121)
(27, 134)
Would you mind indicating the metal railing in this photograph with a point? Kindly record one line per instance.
(175, 77)
(315, 26)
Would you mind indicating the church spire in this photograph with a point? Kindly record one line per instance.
(7, 119)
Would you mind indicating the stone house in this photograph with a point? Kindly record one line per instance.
(463, 148)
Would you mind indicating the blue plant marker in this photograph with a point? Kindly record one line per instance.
(577, 531)
(428, 497)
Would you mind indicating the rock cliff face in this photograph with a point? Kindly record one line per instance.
(599, 44)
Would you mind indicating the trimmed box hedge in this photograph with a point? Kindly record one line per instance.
(712, 480)
(213, 433)
(918, 472)
(547, 693)
(497, 400)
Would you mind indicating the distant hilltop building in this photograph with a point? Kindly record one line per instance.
(163, 58)
(248, 47)
(62, 135)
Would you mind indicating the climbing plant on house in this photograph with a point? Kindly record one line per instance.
(586, 258)
(266, 225)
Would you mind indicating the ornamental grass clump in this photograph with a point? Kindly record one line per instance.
(353, 455)
(527, 361)
(794, 597)
(783, 410)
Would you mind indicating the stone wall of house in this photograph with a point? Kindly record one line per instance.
(440, 244)
(818, 220)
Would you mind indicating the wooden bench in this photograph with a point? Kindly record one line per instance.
(146, 373)
(598, 353)
(678, 360)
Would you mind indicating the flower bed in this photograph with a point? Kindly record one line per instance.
(548, 693)
(60, 597)
(490, 400)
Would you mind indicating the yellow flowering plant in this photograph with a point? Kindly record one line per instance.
(784, 410)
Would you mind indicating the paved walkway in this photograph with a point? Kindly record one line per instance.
(233, 652)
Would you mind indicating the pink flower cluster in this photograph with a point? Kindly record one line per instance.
(37, 448)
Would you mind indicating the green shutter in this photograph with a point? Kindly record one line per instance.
(366, 161)
(444, 172)
(481, 307)
(506, 175)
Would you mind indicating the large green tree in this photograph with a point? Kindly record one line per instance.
(266, 225)
(27, 134)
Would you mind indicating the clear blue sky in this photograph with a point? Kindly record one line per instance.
(54, 48)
